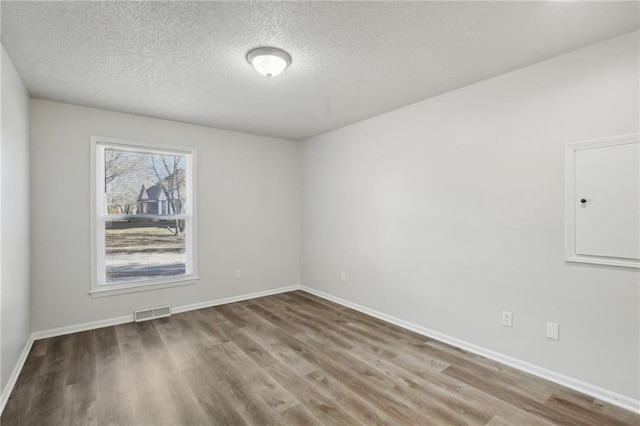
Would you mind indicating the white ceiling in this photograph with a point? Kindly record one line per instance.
(185, 61)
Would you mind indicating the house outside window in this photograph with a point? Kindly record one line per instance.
(143, 215)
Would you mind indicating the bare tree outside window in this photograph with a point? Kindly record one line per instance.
(173, 185)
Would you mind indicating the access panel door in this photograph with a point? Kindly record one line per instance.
(606, 201)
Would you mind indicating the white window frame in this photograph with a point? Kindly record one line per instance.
(99, 288)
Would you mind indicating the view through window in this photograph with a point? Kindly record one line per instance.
(144, 222)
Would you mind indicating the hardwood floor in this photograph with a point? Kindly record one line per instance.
(289, 359)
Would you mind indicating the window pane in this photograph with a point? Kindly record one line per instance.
(144, 183)
(144, 249)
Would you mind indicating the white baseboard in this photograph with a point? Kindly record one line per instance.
(6, 392)
(233, 299)
(61, 331)
(606, 395)
(175, 310)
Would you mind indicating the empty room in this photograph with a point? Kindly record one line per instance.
(307, 213)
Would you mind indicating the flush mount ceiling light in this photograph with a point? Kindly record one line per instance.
(269, 61)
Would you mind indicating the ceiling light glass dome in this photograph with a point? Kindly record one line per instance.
(269, 61)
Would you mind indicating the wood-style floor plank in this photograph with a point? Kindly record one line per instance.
(288, 359)
(297, 415)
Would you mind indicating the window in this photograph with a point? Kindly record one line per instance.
(143, 216)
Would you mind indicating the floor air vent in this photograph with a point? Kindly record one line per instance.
(151, 313)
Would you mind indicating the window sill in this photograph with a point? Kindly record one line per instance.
(114, 290)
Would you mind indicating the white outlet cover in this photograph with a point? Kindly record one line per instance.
(507, 319)
(553, 331)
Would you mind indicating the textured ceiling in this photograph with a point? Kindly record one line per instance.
(185, 61)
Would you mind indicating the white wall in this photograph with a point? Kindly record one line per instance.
(450, 210)
(15, 235)
(248, 215)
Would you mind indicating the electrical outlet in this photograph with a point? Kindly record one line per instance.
(553, 331)
(343, 277)
(237, 275)
(507, 319)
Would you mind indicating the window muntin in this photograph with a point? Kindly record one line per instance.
(143, 216)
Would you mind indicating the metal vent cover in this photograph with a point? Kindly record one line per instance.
(151, 313)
